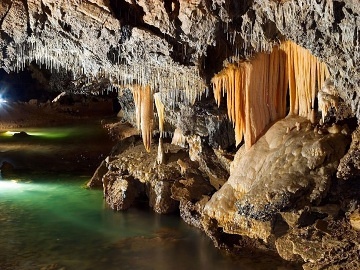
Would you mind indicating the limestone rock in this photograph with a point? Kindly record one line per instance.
(349, 166)
(123, 145)
(197, 23)
(132, 160)
(15, 22)
(289, 246)
(208, 161)
(332, 211)
(192, 212)
(96, 179)
(120, 191)
(120, 131)
(338, 248)
(355, 220)
(158, 15)
(285, 248)
(282, 171)
(309, 215)
(193, 188)
(160, 199)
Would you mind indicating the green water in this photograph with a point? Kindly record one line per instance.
(48, 220)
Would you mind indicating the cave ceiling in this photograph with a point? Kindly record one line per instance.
(173, 45)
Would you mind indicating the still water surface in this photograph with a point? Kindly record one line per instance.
(48, 220)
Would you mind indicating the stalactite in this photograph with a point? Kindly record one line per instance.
(256, 90)
(144, 113)
(136, 91)
(160, 108)
(306, 75)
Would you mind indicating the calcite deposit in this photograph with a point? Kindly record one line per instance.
(277, 179)
(293, 189)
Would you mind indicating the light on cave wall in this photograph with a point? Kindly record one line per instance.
(9, 185)
(3, 100)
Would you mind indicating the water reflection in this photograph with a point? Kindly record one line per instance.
(61, 149)
(60, 223)
(49, 221)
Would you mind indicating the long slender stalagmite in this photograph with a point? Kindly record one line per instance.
(256, 90)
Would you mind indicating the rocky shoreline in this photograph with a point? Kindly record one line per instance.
(305, 214)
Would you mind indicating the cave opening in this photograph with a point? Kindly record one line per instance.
(22, 86)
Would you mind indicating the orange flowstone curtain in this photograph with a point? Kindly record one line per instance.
(256, 90)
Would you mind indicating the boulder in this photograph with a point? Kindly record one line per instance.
(349, 166)
(6, 168)
(283, 172)
(355, 220)
(121, 190)
(96, 179)
(160, 200)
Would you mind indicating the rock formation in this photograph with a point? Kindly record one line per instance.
(294, 183)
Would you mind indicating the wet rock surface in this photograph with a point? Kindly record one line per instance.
(121, 191)
(162, 184)
(279, 190)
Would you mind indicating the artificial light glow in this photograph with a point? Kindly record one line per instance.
(51, 135)
(13, 184)
(10, 133)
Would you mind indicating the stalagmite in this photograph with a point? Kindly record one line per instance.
(178, 138)
(327, 98)
(161, 154)
(256, 90)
